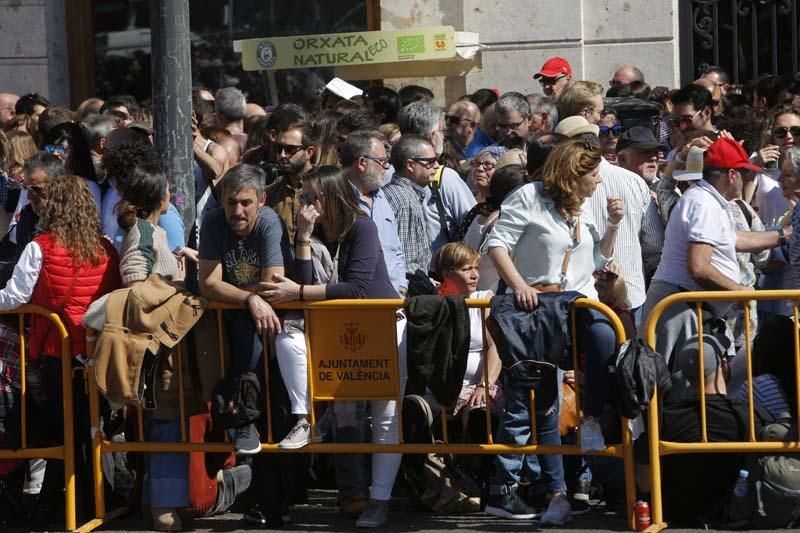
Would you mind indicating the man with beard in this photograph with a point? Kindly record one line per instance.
(364, 160)
(294, 150)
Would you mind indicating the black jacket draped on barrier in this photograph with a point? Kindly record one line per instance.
(438, 345)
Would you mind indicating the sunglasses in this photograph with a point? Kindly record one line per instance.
(781, 133)
(288, 149)
(55, 149)
(38, 190)
(454, 120)
(309, 198)
(616, 131)
(487, 165)
(427, 162)
(550, 81)
(683, 121)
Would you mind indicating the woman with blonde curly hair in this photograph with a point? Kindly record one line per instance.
(64, 269)
(543, 242)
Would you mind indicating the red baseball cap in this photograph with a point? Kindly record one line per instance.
(555, 66)
(727, 153)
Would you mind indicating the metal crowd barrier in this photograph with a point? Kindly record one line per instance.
(365, 331)
(65, 452)
(659, 448)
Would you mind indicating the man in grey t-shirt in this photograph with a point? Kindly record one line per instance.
(242, 244)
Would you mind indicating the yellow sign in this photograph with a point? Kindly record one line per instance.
(353, 354)
(341, 49)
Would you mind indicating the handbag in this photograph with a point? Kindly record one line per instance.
(568, 418)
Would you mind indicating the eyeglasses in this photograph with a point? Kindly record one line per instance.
(487, 165)
(382, 161)
(685, 121)
(510, 126)
(289, 149)
(549, 81)
(426, 162)
(38, 190)
(454, 120)
(55, 149)
(616, 131)
(781, 133)
(308, 198)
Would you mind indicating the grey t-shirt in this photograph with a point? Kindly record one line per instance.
(243, 258)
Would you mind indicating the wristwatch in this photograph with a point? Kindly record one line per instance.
(781, 237)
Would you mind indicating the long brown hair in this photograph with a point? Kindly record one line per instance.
(568, 162)
(70, 215)
(340, 207)
(20, 147)
(775, 112)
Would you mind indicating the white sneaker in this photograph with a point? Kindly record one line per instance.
(591, 436)
(558, 513)
(298, 437)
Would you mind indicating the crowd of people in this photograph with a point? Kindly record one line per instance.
(626, 195)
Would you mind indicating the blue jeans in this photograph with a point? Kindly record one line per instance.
(515, 429)
(596, 338)
(167, 481)
(245, 342)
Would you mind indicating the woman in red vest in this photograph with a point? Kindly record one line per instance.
(64, 269)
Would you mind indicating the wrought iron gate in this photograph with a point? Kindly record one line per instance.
(748, 38)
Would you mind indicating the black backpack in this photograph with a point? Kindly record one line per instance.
(638, 369)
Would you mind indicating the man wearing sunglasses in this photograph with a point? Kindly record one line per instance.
(414, 161)
(692, 107)
(463, 119)
(294, 152)
(554, 75)
(38, 171)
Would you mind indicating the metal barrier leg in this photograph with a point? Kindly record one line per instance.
(630, 472)
(69, 436)
(97, 435)
(656, 508)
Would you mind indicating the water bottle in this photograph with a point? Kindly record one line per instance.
(741, 488)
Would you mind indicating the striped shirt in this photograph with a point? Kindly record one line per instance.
(767, 394)
(633, 190)
(407, 200)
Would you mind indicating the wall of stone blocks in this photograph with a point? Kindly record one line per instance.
(33, 48)
(595, 36)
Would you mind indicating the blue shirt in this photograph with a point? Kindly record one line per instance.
(457, 200)
(381, 213)
(479, 141)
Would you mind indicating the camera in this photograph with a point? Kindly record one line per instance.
(272, 171)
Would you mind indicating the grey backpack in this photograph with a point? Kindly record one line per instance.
(773, 498)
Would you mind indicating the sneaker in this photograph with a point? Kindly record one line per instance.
(591, 436)
(247, 441)
(509, 506)
(583, 489)
(166, 519)
(298, 437)
(376, 515)
(558, 512)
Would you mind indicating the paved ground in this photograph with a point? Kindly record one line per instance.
(320, 515)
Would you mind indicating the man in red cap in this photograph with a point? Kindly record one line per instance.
(700, 245)
(554, 76)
